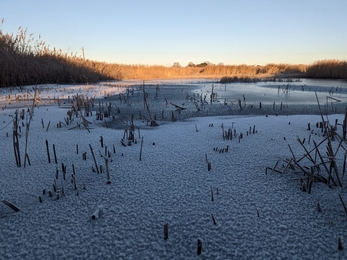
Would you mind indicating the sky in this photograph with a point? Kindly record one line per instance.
(158, 32)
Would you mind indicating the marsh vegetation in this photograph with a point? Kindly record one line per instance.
(26, 60)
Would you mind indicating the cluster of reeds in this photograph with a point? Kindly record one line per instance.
(328, 69)
(60, 185)
(255, 70)
(29, 61)
(319, 163)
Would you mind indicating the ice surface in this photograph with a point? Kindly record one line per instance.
(171, 184)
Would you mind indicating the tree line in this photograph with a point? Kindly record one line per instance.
(25, 60)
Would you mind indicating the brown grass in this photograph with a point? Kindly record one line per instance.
(328, 69)
(25, 60)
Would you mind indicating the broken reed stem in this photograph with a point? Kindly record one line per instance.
(96, 165)
(223, 131)
(344, 165)
(343, 203)
(26, 156)
(102, 141)
(15, 140)
(339, 244)
(292, 152)
(48, 126)
(73, 169)
(214, 220)
(55, 155)
(325, 166)
(141, 148)
(11, 205)
(199, 249)
(47, 148)
(329, 146)
(166, 231)
(308, 154)
(107, 172)
(313, 149)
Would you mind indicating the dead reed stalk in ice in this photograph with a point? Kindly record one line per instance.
(55, 155)
(166, 231)
(141, 148)
(107, 172)
(96, 165)
(199, 249)
(47, 149)
(16, 139)
(214, 220)
(27, 127)
(11, 205)
(339, 244)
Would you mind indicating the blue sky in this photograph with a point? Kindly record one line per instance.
(162, 32)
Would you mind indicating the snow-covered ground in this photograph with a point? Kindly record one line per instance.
(257, 215)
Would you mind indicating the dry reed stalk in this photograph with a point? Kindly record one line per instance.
(102, 141)
(96, 165)
(214, 220)
(313, 149)
(141, 148)
(307, 153)
(11, 205)
(16, 139)
(344, 126)
(55, 155)
(223, 136)
(343, 203)
(166, 231)
(199, 249)
(107, 172)
(339, 244)
(49, 122)
(344, 165)
(287, 165)
(319, 209)
(73, 170)
(47, 149)
(96, 214)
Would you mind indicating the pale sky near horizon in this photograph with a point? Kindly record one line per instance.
(161, 32)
